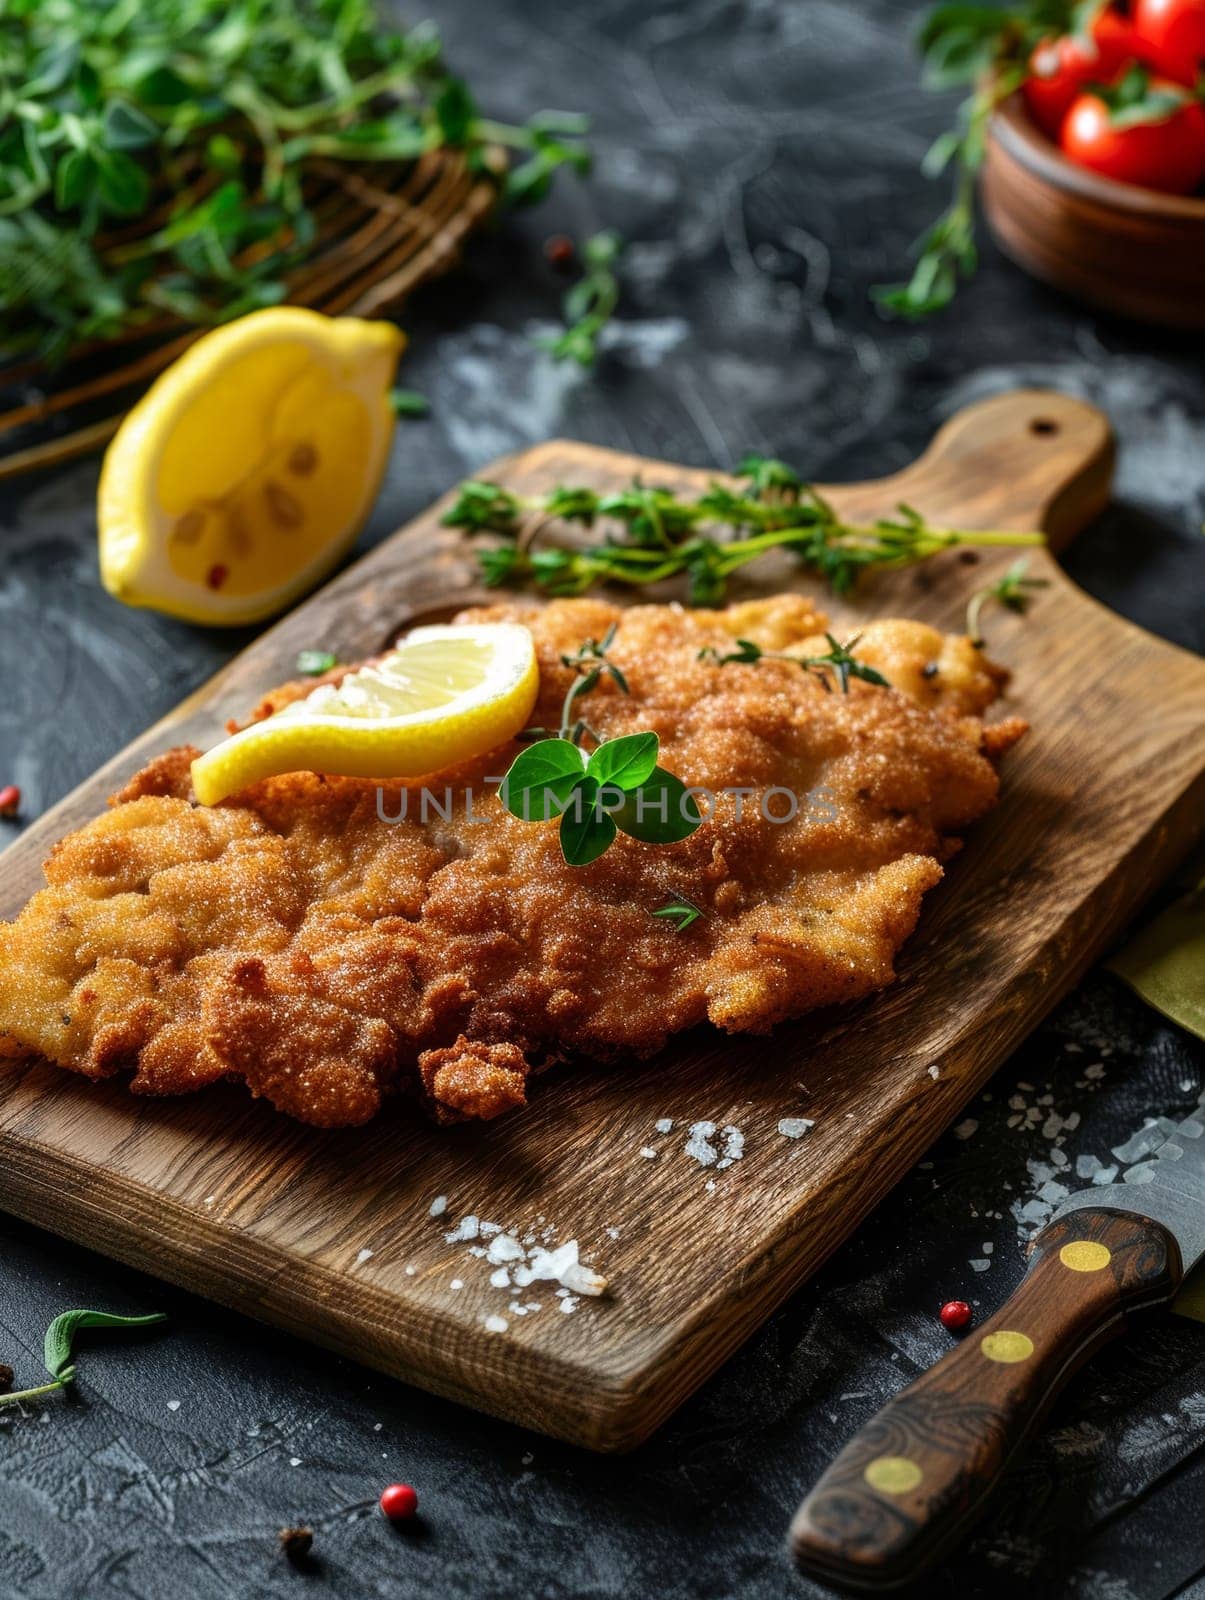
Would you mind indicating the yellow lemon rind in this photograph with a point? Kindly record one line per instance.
(418, 744)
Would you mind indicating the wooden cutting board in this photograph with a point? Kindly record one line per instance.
(229, 1199)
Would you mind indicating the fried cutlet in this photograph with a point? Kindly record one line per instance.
(293, 938)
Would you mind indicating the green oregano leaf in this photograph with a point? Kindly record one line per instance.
(626, 762)
(586, 828)
(660, 810)
(542, 779)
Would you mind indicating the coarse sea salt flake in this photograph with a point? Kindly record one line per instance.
(467, 1228)
(795, 1127)
(648, 1153)
(964, 1130)
(698, 1144)
(504, 1247)
(496, 1324)
(664, 1125)
(438, 1206)
(362, 1256)
(559, 1266)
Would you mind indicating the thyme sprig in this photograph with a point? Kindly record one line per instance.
(839, 661)
(657, 534)
(590, 304)
(1014, 591)
(105, 110)
(988, 46)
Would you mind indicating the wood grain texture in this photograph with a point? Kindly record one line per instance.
(912, 1480)
(269, 1217)
(1111, 244)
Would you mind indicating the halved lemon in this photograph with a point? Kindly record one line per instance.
(441, 696)
(249, 466)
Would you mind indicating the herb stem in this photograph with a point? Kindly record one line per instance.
(32, 1394)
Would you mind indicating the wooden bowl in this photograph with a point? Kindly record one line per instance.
(1112, 244)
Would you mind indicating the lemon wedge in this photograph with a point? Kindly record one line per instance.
(249, 466)
(441, 696)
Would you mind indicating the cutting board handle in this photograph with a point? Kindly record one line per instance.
(1032, 458)
(910, 1482)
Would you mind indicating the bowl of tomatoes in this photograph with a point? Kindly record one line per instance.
(1093, 161)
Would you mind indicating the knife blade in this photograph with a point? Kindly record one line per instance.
(910, 1483)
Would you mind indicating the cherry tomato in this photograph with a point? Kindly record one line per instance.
(1060, 69)
(1167, 155)
(1172, 34)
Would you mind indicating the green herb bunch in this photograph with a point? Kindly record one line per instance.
(617, 788)
(655, 534)
(151, 151)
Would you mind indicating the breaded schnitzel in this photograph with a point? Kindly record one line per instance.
(292, 938)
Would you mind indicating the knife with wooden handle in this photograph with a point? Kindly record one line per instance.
(909, 1485)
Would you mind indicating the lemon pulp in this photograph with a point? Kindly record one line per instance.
(249, 466)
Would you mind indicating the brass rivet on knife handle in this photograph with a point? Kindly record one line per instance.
(910, 1483)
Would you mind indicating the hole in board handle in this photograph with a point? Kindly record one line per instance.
(1043, 426)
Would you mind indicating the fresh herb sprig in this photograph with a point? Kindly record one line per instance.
(988, 46)
(660, 535)
(839, 661)
(590, 304)
(59, 1346)
(618, 787)
(1013, 591)
(215, 107)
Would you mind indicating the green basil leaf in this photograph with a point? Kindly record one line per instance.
(626, 762)
(586, 829)
(60, 1336)
(541, 780)
(660, 811)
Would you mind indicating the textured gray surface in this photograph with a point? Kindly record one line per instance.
(761, 157)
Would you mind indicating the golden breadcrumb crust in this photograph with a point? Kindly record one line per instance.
(292, 938)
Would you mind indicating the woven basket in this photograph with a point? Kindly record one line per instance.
(381, 231)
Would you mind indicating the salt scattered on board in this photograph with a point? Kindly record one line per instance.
(795, 1127)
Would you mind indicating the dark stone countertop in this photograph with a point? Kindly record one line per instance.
(761, 157)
